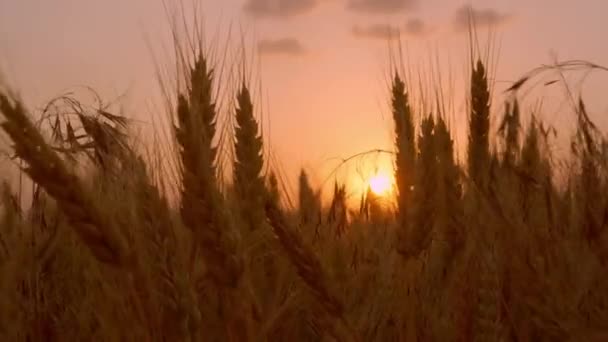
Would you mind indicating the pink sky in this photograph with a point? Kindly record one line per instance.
(323, 64)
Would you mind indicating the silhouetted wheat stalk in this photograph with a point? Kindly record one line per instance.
(47, 169)
(202, 205)
(311, 271)
(248, 162)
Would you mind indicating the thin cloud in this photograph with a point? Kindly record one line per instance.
(381, 6)
(485, 17)
(278, 8)
(376, 31)
(283, 46)
(416, 27)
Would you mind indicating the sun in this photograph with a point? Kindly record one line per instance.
(380, 184)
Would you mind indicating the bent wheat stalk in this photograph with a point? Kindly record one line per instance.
(309, 268)
(46, 168)
(98, 232)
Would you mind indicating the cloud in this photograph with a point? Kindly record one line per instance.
(413, 27)
(479, 17)
(278, 8)
(381, 6)
(376, 31)
(416, 27)
(283, 46)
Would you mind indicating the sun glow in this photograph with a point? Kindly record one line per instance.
(380, 184)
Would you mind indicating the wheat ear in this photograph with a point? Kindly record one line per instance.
(311, 271)
(46, 168)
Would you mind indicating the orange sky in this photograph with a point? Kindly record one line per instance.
(323, 62)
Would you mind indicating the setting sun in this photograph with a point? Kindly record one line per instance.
(380, 184)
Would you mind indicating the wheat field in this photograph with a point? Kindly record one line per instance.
(496, 247)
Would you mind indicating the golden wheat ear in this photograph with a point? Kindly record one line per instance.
(47, 169)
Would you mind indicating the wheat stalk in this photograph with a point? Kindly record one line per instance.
(311, 271)
(46, 168)
(248, 163)
(405, 144)
(479, 126)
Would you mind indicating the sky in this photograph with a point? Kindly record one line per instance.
(321, 65)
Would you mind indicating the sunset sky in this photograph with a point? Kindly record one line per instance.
(323, 62)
